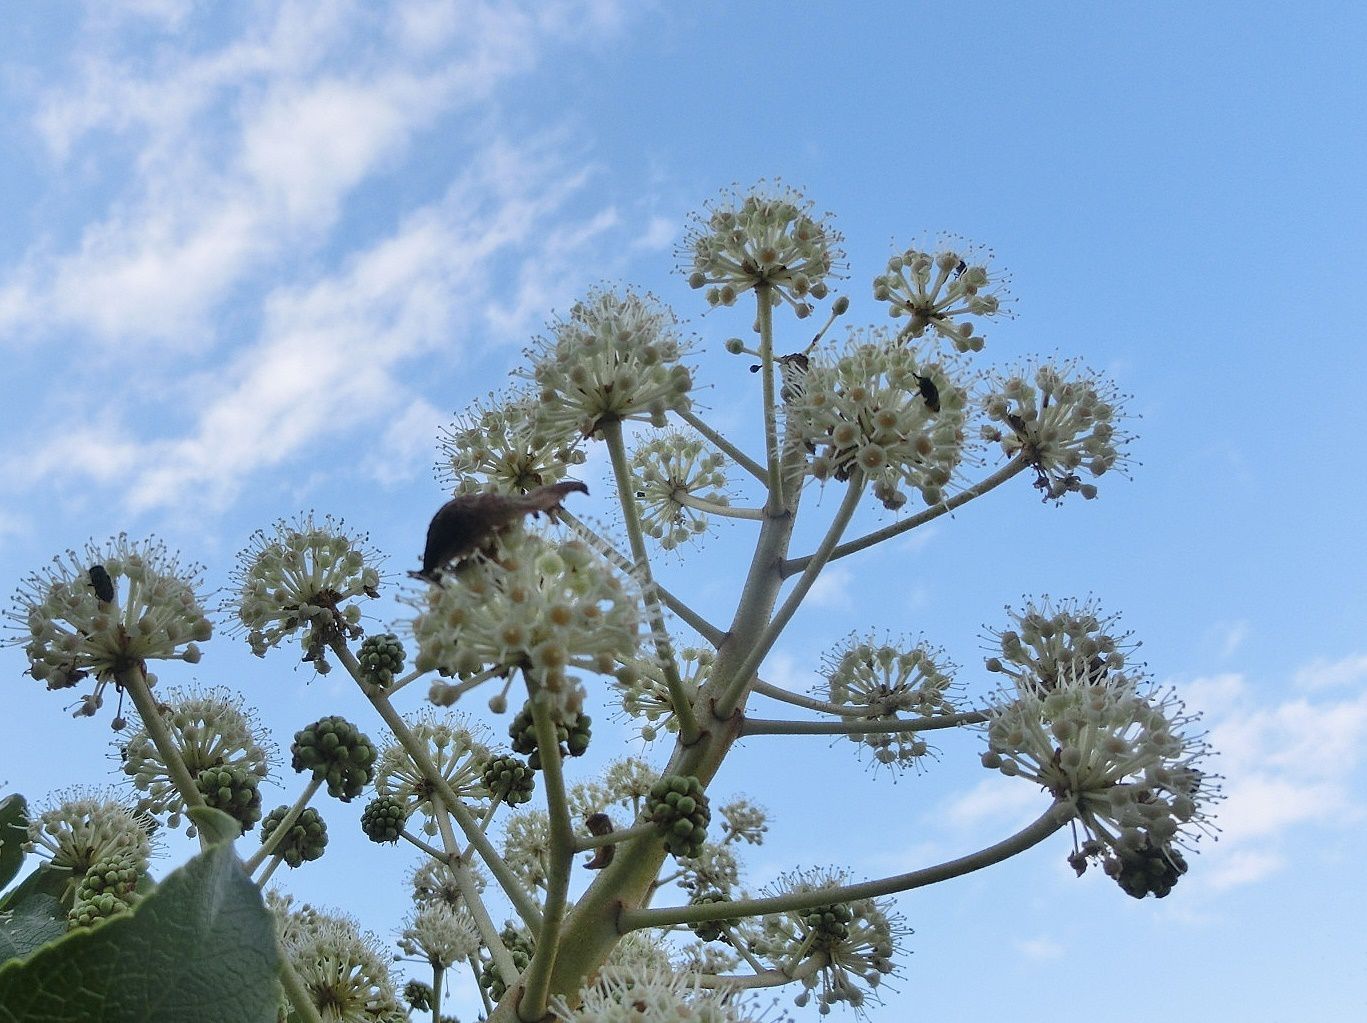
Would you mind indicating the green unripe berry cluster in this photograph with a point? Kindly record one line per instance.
(418, 995)
(519, 945)
(117, 875)
(710, 930)
(830, 924)
(96, 906)
(679, 808)
(573, 738)
(306, 839)
(337, 752)
(510, 779)
(381, 659)
(234, 790)
(1147, 871)
(383, 819)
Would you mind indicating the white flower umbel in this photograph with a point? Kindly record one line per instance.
(304, 575)
(646, 994)
(885, 681)
(537, 606)
(434, 883)
(440, 936)
(502, 447)
(1046, 639)
(210, 729)
(645, 693)
(668, 471)
(457, 746)
(1060, 419)
(615, 357)
(105, 611)
(937, 289)
(1119, 752)
(841, 951)
(83, 826)
(527, 847)
(886, 409)
(345, 972)
(764, 236)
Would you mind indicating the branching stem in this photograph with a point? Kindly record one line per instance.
(863, 726)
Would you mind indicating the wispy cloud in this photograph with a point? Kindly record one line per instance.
(1324, 673)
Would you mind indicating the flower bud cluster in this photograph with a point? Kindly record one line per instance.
(305, 840)
(616, 357)
(212, 730)
(337, 752)
(854, 942)
(935, 290)
(1118, 753)
(680, 810)
(504, 447)
(519, 945)
(764, 237)
(304, 576)
(86, 826)
(645, 693)
(1048, 640)
(457, 747)
(108, 888)
(509, 778)
(1064, 421)
(886, 681)
(573, 736)
(881, 409)
(381, 659)
(669, 468)
(539, 607)
(710, 930)
(234, 790)
(383, 819)
(106, 611)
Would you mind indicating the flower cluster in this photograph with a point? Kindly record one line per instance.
(765, 237)
(668, 472)
(645, 693)
(303, 575)
(434, 883)
(539, 606)
(630, 994)
(345, 971)
(1046, 641)
(211, 729)
(502, 446)
(881, 409)
(936, 289)
(1117, 752)
(306, 839)
(884, 681)
(107, 611)
(440, 936)
(616, 357)
(1064, 421)
(89, 826)
(851, 944)
(458, 748)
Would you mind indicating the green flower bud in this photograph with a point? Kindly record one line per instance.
(337, 752)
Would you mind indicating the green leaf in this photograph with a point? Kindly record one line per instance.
(36, 921)
(201, 947)
(44, 880)
(13, 832)
(216, 825)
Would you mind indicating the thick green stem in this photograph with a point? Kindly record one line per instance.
(437, 973)
(870, 726)
(586, 842)
(679, 696)
(135, 685)
(731, 696)
(1011, 468)
(1045, 825)
(535, 992)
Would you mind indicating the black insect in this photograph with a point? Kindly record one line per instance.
(959, 270)
(101, 583)
(791, 369)
(930, 394)
(467, 523)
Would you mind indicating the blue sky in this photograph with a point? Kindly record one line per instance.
(252, 257)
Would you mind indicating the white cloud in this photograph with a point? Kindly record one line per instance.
(831, 589)
(998, 801)
(1041, 949)
(1323, 673)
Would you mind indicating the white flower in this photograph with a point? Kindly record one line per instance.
(457, 747)
(106, 611)
(304, 575)
(502, 447)
(766, 236)
(935, 289)
(614, 358)
(537, 606)
(527, 847)
(1118, 752)
(1046, 640)
(645, 693)
(210, 729)
(745, 820)
(883, 409)
(669, 468)
(1064, 421)
(651, 994)
(434, 883)
(86, 825)
(345, 972)
(440, 935)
